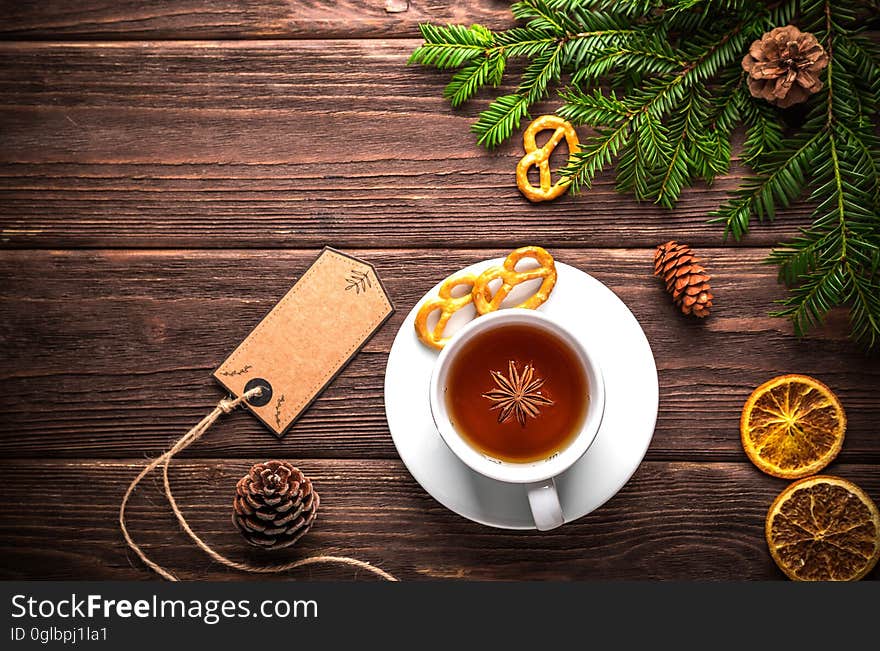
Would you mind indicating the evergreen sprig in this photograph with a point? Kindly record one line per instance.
(660, 83)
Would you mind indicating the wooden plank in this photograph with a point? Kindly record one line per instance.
(168, 19)
(684, 521)
(109, 353)
(283, 144)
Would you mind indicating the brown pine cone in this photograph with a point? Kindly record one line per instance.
(784, 66)
(685, 278)
(275, 505)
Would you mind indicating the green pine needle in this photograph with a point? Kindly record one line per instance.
(660, 83)
(501, 118)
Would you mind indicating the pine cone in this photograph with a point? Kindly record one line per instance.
(784, 66)
(685, 278)
(275, 505)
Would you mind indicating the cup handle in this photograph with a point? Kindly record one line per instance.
(544, 501)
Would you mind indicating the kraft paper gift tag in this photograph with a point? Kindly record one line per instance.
(307, 338)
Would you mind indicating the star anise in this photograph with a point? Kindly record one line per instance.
(517, 394)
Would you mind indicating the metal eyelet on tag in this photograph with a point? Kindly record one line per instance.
(264, 397)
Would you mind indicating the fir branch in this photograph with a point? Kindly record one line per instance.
(553, 41)
(544, 70)
(540, 15)
(759, 195)
(524, 42)
(657, 98)
(469, 79)
(674, 172)
(645, 59)
(451, 46)
(633, 8)
(498, 121)
(660, 83)
(763, 128)
(592, 108)
(835, 261)
(633, 170)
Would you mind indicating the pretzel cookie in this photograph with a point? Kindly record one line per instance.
(448, 305)
(486, 302)
(481, 295)
(540, 157)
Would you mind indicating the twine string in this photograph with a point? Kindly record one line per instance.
(225, 406)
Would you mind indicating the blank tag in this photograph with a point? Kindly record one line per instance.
(307, 338)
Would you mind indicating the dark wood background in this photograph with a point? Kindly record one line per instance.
(169, 168)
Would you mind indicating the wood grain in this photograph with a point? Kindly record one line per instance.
(684, 521)
(231, 162)
(174, 19)
(283, 144)
(109, 353)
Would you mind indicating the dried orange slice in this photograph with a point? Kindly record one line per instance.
(824, 528)
(792, 426)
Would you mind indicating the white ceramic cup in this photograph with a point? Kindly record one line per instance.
(538, 476)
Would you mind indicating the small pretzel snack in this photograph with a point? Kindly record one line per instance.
(481, 295)
(540, 157)
(448, 305)
(486, 302)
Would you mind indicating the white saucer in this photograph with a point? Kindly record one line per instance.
(589, 310)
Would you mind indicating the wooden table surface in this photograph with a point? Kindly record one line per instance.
(168, 169)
